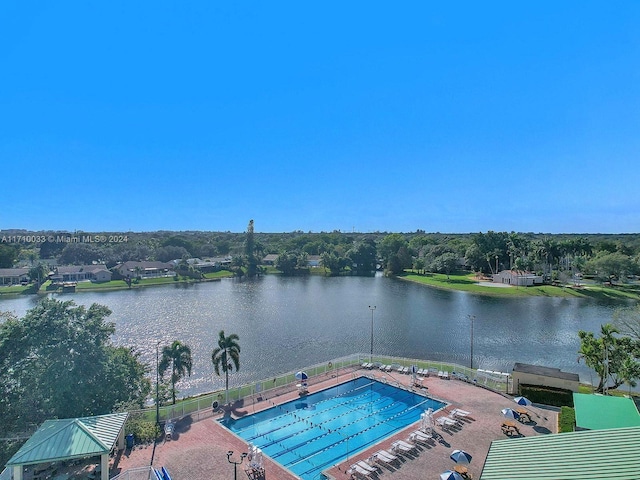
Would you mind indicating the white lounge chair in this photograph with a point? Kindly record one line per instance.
(366, 466)
(356, 471)
(459, 413)
(401, 446)
(382, 456)
(446, 422)
(420, 436)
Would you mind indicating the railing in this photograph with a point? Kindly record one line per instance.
(201, 407)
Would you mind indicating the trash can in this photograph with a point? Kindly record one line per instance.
(129, 441)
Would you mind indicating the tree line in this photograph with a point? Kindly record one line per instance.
(556, 257)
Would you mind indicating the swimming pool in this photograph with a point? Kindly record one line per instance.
(314, 432)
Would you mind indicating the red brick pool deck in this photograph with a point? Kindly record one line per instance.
(198, 449)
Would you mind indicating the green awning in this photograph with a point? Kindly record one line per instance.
(58, 440)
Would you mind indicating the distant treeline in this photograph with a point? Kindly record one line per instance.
(606, 257)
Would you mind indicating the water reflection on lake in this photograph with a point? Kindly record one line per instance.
(287, 323)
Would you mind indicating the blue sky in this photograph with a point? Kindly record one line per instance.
(447, 117)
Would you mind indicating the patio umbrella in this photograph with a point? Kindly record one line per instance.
(302, 376)
(460, 456)
(524, 401)
(510, 413)
(450, 475)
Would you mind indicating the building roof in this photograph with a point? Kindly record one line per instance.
(545, 371)
(13, 272)
(597, 412)
(80, 268)
(586, 455)
(68, 438)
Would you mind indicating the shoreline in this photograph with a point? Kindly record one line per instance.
(460, 283)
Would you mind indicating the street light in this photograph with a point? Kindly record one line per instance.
(472, 318)
(372, 310)
(157, 383)
(235, 463)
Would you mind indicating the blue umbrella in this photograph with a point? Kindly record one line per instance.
(510, 413)
(301, 376)
(522, 401)
(450, 475)
(460, 456)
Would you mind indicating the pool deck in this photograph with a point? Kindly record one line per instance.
(198, 449)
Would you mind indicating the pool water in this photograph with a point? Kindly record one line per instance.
(317, 431)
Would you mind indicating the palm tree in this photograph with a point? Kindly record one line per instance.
(226, 356)
(178, 356)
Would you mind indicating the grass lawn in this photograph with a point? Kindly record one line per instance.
(469, 283)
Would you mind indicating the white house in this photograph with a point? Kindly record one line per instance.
(517, 278)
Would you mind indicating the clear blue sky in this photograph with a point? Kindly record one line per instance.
(320, 116)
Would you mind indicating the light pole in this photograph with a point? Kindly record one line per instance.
(472, 318)
(157, 383)
(235, 463)
(372, 310)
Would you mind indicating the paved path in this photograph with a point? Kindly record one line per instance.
(198, 450)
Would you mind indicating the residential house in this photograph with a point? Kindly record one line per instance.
(13, 276)
(80, 273)
(270, 259)
(145, 269)
(314, 261)
(518, 278)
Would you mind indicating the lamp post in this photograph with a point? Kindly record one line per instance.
(372, 310)
(472, 318)
(157, 383)
(235, 463)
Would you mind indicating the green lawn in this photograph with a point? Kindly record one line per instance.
(469, 283)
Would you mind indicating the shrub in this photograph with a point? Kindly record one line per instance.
(556, 397)
(144, 430)
(566, 420)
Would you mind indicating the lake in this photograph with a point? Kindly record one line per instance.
(285, 324)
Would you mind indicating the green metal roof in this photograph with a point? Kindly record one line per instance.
(597, 412)
(70, 438)
(612, 454)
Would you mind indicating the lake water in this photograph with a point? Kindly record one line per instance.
(285, 324)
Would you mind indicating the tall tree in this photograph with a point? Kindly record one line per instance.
(178, 357)
(250, 252)
(226, 356)
(611, 356)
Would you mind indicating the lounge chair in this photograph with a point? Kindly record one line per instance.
(366, 466)
(401, 446)
(420, 437)
(446, 422)
(460, 413)
(356, 471)
(382, 456)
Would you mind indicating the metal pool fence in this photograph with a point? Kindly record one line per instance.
(201, 406)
